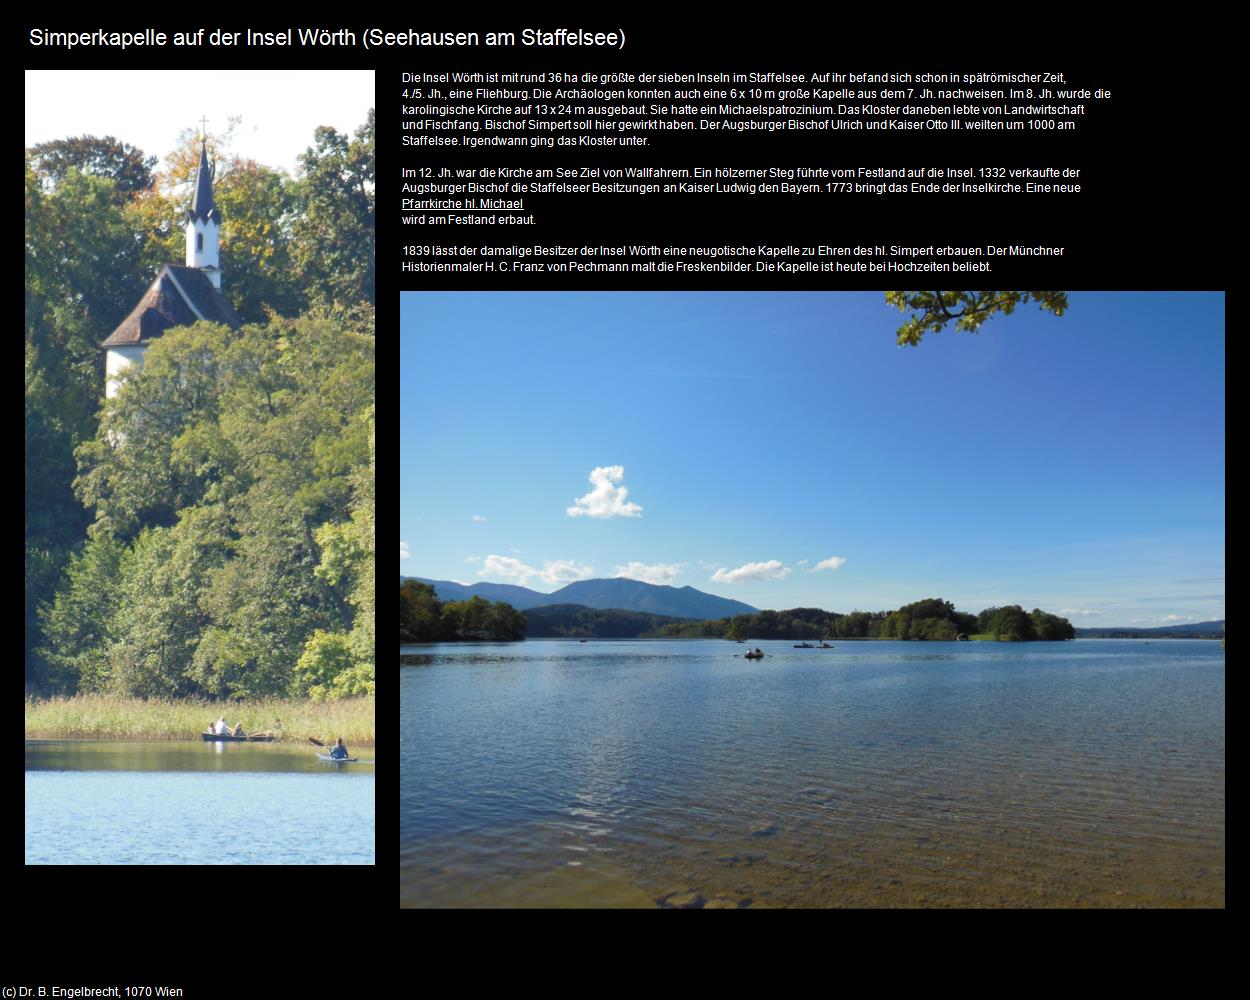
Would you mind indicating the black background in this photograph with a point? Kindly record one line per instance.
(1156, 215)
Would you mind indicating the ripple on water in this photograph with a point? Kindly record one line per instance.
(1044, 777)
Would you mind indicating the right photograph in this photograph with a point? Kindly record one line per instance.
(814, 600)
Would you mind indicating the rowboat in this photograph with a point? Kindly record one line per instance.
(214, 738)
(337, 760)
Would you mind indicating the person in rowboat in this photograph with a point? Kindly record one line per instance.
(338, 751)
(220, 727)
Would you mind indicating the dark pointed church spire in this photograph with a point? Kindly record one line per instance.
(202, 205)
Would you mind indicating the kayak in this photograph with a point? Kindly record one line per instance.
(337, 760)
(213, 737)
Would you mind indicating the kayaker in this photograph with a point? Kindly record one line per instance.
(338, 751)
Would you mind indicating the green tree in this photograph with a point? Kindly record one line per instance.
(932, 311)
(158, 620)
(160, 447)
(1012, 624)
(333, 232)
(257, 206)
(420, 612)
(54, 519)
(1051, 628)
(327, 668)
(236, 469)
(74, 232)
(346, 566)
(82, 277)
(78, 622)
(505, 622)
(125, 165)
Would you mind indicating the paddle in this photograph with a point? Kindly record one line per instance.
(316, 743)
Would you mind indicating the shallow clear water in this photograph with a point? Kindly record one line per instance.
(1087, 773)
(182, 803)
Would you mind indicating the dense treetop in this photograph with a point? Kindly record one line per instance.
(210, 529)
(424, 618)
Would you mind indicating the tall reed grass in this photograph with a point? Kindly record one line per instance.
(102, 717)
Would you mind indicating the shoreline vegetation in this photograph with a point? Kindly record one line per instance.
(425, 618)
(103, 717)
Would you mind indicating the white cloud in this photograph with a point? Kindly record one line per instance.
(605, 500)
(477, 517)
(508, 568)
(403, 550)
(564, 571)
(472, 559)
(1081, 612)
(833, 562)
(558, 571)
(1179, 618)
(660, 573)
(804, 562)
(771, 570)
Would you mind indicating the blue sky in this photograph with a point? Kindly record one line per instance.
(737, 441)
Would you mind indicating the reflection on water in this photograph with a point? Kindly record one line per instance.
(121, 755)
(93, 802)
(677, 774)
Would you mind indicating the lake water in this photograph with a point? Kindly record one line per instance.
(644, 773)
(195, 803)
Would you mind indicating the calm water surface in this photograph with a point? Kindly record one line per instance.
(194, 803)
(644, 773)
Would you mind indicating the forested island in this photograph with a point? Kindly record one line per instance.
(199, 527)
(423, 618)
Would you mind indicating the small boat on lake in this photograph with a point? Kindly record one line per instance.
(215, 738)
(753, 656)
(327, 759)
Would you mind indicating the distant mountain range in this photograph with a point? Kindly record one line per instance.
(619, 594)
(1199, 630)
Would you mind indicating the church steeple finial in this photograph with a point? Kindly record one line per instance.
(204, 221)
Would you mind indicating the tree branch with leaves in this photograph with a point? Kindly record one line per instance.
(933, 311)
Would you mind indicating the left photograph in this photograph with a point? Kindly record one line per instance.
(199, 519)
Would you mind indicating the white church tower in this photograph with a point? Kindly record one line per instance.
(182, 294)
(204, 223)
